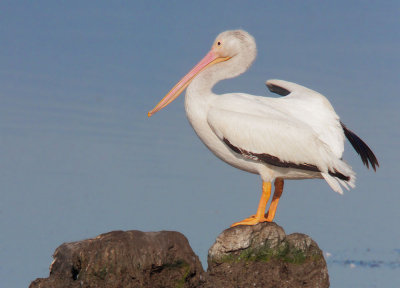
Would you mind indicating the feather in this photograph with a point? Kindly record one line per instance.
(362, 149)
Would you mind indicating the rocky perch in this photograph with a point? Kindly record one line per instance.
(242, 256)
(263, 256)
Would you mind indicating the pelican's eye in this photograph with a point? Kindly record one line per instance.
(219, 43)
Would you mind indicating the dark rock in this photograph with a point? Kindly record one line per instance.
(125, 259)
(263, 256)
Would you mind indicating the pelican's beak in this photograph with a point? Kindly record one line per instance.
(210, 59)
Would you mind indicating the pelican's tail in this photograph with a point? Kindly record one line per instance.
(343, 175)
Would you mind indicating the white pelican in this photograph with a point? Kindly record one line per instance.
(297, 136)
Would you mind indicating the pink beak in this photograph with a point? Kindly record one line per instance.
(210, 59)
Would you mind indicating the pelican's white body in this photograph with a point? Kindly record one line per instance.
(301, 127)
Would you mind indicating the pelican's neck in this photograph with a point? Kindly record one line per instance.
(203, 83)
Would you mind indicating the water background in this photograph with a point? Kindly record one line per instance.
(79, 156)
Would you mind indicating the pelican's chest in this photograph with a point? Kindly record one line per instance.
(196, 111)
(197, 107)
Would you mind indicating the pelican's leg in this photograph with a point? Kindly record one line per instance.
(275, 199)
(259, 217)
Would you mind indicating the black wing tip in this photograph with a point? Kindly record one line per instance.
(367, 156)
(277, 89)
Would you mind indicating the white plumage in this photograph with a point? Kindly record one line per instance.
(296, 136)
(274, 126)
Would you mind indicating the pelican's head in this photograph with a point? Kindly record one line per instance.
(236, 47)
(235, 43)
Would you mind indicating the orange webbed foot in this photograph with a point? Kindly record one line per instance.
(252, 220)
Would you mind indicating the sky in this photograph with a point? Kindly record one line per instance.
(80, 157)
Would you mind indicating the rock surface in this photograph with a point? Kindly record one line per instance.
(263, 256)
(125, 259)
(242, 256)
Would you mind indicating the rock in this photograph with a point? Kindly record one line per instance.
(263, 256)
(125, 259)
(234, 240)
(242, 256)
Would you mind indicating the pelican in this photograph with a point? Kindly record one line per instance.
(296, 136)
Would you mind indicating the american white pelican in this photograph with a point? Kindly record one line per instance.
(297, 136)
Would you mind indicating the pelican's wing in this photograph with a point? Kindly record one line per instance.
(276, 86)
(361, 148)
(282, 138)
(284, 88)
(312, 108)
(279, 141)
(329, 127)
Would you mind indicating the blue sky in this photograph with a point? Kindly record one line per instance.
(79, 156)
